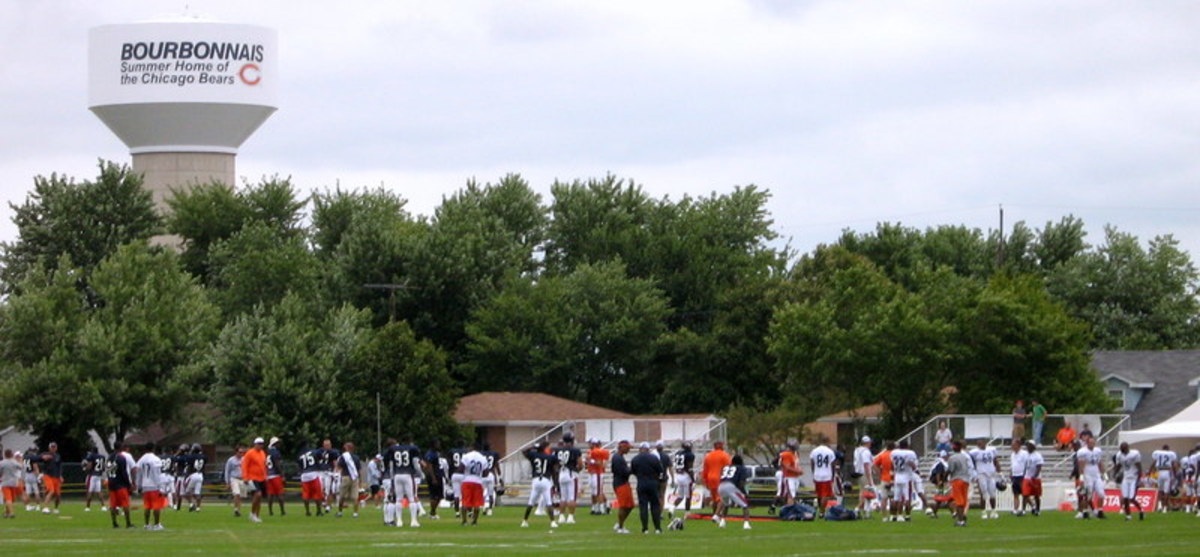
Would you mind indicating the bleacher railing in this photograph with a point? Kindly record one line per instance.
(998, 429)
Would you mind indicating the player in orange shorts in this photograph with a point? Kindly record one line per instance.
(959, 469)
(621, 487)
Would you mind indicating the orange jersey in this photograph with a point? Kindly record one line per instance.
(883, 461)
(789, 464)
(597, 460)
(713, 463)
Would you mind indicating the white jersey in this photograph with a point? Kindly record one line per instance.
(984, 460)
(149, 469)
(904, 463)
(1017, 465)
(862, 459)
(1033, 466)
(1129, 462)
(474, 464)
(822, 462)
(1164, 460)
(1092, 459)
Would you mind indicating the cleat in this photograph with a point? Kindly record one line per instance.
(355, 515)
(525, 523)
(415, 524)
(746, 525)
(553, 525)
(87, 509)
(721, 524)
(46, 511)
(570, 519)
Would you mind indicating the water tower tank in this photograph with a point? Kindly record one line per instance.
(183, 94)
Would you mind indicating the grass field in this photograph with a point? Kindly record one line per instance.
(215, 530)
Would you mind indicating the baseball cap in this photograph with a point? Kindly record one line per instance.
(658, 443)
(258, 440)
(866, 439)
(942, 453)
(274, 440)
(378, 457)
(644, 445)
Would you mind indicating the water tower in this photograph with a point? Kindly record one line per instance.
(183, 94)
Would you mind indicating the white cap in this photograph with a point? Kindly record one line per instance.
(258, 440)
(274, 440)
(658, 443)
(942, 453)
(644, 445)
(378, 457)
(866, 439)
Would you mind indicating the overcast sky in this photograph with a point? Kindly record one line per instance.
(848, 112)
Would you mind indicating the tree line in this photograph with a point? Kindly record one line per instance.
(289, 312)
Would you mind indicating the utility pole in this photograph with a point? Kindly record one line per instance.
(391, 288)
(1000, 245)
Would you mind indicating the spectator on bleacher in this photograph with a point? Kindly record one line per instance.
(1065, 437)
(1019, 413)
(1039, 421)
(943, 437)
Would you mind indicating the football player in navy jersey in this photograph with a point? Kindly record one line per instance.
(435, 478)
(194, 486)
(329, 476)
(457, 473)
(311, 486)
(493, 479)
(275, 478)
(403, 464)
(569, 459)
(175, 474)
(95, 468)
(544, 467)
(683, 462)
(119, 471)
(732, 491)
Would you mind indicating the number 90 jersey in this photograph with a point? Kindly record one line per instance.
(568, 458)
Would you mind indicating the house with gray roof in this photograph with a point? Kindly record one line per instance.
(1149, 385)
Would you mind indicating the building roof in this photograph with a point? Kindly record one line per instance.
(1165, 373)
(529, 408)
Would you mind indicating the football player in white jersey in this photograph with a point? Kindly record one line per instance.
(1017, 468)
(821, 460)
(1091, 466)
(862, 471)
(1031, 486)
(984, 459)
(904, 467)
(1187, 468)
(1166, 466)
(1130, 463)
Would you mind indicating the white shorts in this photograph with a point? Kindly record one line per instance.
(94, 483)
(1164, 481)
(456, 481)
(166, 484)
(987, 485)
(731, 495)
(539, 492)
(1094, 486)
(902, 489)
(1129, 487)
(329, 483)
(918, 487)
(195, 484)
(596, 483)
(568, 485)
(683, 486)
(237, 488)
(489, 485)
(404, 487)
(31, 485)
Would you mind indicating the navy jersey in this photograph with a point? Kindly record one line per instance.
(568, 458)
(274, 462)
(118, 473)
(456, 465)
(328, 458)
(94, 463)
(196, 463)
(684, 461)
(53, 467)
(33, 462)
(736, 475)
(620, 470)
(665, 458)
(402, 459)
(180, 464)
(434, 459)
(310, 460)
(543, 465)
(493, 461)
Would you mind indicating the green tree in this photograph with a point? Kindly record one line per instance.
(260, 265)
(206, 214)
(589, 335)
(1134, 298)
(114, 365)
(85, 221)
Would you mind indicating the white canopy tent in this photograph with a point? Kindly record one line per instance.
(1184, 425)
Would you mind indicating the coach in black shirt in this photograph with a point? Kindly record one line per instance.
(648, 469)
